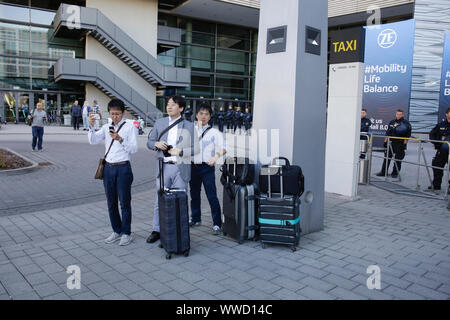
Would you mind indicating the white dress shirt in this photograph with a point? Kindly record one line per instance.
(172, 139)
(212, 143)
(119, 151)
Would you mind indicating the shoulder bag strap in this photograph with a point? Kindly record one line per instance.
(169, 127)
(113, 140)
(204, 132)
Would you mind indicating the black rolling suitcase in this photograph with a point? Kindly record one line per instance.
(278, 214)
(173, 219)
(238, 203)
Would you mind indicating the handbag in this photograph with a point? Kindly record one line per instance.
(102, 161)
(29, 119)
(293, 179)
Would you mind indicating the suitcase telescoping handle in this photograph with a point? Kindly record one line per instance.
(280, 169)
(161, 175)
(286, 160)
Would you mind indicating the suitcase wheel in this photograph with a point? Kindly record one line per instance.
(240, 241)
(186, 253)
(168, 256)
(160, 245)
(293, 248)
(263, 245)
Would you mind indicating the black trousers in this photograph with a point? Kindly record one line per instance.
(237, 124)
(398, 148)
(439, 160)
(220, 125)
(76, 122)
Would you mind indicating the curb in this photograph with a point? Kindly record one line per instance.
(34, 165)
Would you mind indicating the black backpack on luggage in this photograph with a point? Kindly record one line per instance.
(293, 179)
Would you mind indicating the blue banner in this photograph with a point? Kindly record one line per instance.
(387, 72)
(444, 97)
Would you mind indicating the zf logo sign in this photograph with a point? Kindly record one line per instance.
(387, 38)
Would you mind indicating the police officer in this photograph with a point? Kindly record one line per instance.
(213, 116)
(399, 127)
(365, 124)
(229, 117)
(238, 117)
(247, 120)
(188, 113)
(440, 132)
(220, 118)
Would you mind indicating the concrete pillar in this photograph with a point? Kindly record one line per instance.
(290, 92)
(16, 98)
(343, 126)
(2, 106)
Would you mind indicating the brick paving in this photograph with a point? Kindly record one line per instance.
(408, 238)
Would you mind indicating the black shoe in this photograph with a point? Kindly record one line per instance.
(394, 175)
(153, 237)
(193, 224)
(380, 174)
(434, 188)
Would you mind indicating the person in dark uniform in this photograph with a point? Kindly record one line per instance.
(213, 116)
(220, 118)
(247, 120)
(238, 117)
(229, 117)
(440, 132)
(188, 113)
(399, 127)
(365, 124)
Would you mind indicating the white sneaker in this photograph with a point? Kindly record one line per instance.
(126, 239)
(217, 230)
(112, 238)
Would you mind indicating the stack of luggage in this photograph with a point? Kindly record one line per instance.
(239, 200)
(279, 203)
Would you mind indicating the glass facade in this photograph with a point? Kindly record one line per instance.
(28, 49)
(222, 59)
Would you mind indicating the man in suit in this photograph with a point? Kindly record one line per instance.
(176, 147)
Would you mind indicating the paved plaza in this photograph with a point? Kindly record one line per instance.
(56, 217)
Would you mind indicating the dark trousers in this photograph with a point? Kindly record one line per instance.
(247, 126)
(237, 124)
(38, 133)
(117, 181)
(204, 174)
(76, 122)
(229, 124)
(398, 148)
(439, 160)
(220, 125)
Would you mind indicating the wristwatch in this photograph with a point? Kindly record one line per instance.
(121, 140)
(181, 153)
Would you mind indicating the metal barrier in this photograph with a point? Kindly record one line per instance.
(421, 160)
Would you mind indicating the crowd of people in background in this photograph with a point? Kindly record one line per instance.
(230, 121)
